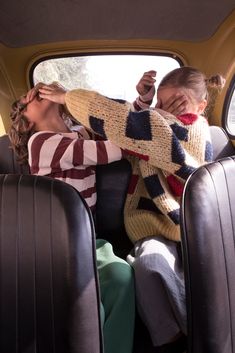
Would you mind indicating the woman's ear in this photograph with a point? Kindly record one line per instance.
(202, 106)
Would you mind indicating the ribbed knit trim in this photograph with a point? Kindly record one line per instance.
(141, 224)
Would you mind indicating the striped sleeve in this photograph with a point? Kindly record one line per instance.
(51, 153)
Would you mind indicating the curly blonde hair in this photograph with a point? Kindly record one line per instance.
(21, 129)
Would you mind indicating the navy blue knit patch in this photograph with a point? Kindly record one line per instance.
(177, 151)
(97, 125)
(121, 101)
(148, 205)
(175, 216)
(153, 186)
(138, 126)
(180, 132)
(208, 152)
(185, 171)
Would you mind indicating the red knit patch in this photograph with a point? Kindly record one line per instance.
(187, 119)
(175, 185)
(132, 184)
(136, 154)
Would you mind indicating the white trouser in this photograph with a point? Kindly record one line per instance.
(160, 288)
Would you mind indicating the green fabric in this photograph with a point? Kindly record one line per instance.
(118, 299)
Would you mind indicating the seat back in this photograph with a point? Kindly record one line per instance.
(112, 182)
(222, 145)
(208, 238)
(8, 162)
(49, 296)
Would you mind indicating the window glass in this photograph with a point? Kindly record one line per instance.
(230, 123)
(115, 76)
(2, 129)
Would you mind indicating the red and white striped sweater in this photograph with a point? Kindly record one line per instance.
(71, 157)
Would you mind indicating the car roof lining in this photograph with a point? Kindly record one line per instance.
(27, 22)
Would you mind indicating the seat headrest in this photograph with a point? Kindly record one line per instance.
(8, 162)
(222, 146)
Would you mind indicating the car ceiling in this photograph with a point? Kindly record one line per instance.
(28, 22)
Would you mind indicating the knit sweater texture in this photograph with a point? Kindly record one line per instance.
(166, 150)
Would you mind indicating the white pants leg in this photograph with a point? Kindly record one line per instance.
(160, 288)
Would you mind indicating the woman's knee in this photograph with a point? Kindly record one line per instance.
(143, 266)
(120, 275)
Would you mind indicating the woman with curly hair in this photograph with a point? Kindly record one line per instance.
(44, 135)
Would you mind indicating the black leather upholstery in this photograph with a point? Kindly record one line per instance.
(112, 183)
(8, 163)
(222, 146)
(208, 238)
(49, 299)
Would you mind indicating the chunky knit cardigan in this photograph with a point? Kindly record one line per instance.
(167, 150)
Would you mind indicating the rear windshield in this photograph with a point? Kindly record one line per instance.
(115, 76)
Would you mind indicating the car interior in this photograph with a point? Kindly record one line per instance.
(49, 290)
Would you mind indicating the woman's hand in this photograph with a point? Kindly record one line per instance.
(146, 82)
(32, 93)
(176, 104)
(53, 92)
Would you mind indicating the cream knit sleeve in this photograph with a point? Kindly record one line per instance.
(147, 132)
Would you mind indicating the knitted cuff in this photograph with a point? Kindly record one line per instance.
(148, 97)
(140, 105)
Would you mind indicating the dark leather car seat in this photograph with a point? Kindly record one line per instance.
(222, 145)
(208, 238)
(8, 162)
(112, 183)
(49, 296)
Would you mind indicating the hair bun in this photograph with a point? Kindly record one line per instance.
(216, 81)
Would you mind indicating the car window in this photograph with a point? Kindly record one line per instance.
(231, 115)
(2, 129)
(115, 76)
(229, 110)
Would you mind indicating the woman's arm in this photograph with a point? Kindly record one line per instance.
(152, 133)
(52, 152)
